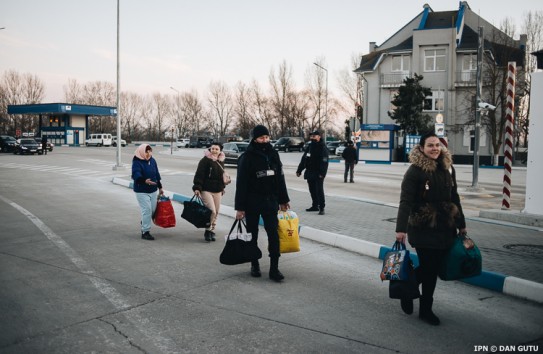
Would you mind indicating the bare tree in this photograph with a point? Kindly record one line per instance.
(192, 111)
(262, 111)
(131, 106)
(316, 84)
(243, 109)
(162, 111)
(221, 108)
(282, 92)
(17, 89)
(73, 92)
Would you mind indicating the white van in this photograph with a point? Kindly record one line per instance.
(99, 140)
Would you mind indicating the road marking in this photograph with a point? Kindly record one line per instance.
(166, 345)
(71, 171)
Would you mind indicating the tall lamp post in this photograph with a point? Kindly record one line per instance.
(118, 164)
(171, 150)
(325, 101)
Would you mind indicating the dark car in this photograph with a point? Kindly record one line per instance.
(7, 143)
(232, 151)
(290, 143)
(50, 145)
(333, 145)
(28, 146)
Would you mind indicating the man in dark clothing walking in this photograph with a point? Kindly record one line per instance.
(44, 144)
(260, 192)
(315, 163)
(349, 154)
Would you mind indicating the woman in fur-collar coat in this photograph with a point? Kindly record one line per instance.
(429, 215)
(209, 184)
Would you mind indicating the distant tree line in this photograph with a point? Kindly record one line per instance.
(221, 110)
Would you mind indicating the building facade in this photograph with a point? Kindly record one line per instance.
(442, 47)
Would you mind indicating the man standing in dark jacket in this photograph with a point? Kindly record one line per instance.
(315, 163)
(260, 192)
(349, 154)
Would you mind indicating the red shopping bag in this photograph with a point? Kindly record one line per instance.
(164, 214)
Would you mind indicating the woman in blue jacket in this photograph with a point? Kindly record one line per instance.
(147, 186)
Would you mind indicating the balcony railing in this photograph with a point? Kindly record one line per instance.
(466, 78)
(394, 79)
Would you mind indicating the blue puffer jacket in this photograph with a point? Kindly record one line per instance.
(141, 170)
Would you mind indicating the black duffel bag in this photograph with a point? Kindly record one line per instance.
(196, 212)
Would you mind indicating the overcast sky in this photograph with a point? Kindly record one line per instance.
(188, 44)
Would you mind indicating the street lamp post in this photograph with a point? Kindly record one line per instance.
(178, 117)
(118, 164)
(475, 180)
(325, 101)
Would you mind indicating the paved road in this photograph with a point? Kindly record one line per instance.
(76, 277)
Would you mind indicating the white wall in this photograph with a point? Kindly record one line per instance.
(534, 192)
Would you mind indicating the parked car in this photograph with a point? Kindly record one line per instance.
(50, 145)
(99, 140)
(333, 145)
(114, 141)
(291, 143)
(28, 146)
(200, 141)
(184, 142)
(340, 150)
(232, 151)
(7, 143)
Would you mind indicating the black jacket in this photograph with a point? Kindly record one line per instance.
(260, 176)
(349, 154)
(208, 176)
(314, 161)
(430, 210)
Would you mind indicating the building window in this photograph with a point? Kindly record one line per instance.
(401, 63)
(434, 60)
(435, 102)
(469, 62)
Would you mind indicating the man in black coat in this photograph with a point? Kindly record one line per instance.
(349, 154)
(315, 163)
(260, 192)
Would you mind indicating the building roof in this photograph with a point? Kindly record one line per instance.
(62, 108)
(467, 39)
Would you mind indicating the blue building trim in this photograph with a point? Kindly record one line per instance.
(62, 108)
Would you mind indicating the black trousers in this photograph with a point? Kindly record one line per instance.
(349, 167)
(316, 189)
(429, 262)
(267, 209)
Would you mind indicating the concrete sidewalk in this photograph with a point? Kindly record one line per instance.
(367, 227)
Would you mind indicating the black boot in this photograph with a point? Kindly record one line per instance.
(275, 274)
(212, 235)
(313, 208)
(407, 305)
(255, 269)
(147, 236)
(321, 211)
(207, 235)
(425, 311)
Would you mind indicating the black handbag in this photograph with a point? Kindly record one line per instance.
(196, 212)
(405, 289)
(239, 248)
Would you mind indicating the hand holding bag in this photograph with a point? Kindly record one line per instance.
(463, 260)
(239, 247)
(196, 212)
(289, 239)
(396, 263)
(164, 214)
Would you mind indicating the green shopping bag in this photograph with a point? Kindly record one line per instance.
(463, 260)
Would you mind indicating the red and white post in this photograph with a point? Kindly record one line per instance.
(508, 147)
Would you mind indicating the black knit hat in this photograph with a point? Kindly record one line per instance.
(260, 130)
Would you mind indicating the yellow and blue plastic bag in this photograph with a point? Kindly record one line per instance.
(289, 238)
